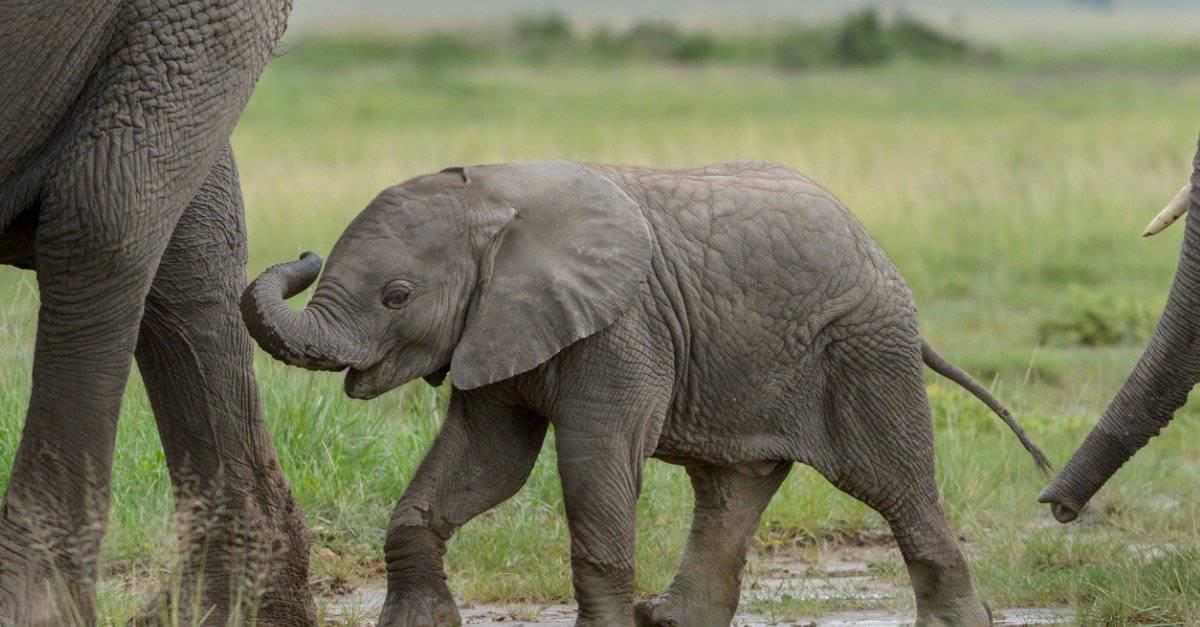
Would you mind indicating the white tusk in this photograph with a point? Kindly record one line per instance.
(1170, 213)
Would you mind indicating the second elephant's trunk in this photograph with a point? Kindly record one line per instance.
(1159, 384)
(299, 338)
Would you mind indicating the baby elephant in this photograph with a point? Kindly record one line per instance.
(732, 319)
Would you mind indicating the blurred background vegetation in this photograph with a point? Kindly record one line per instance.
(862, 38)
(1006, 155)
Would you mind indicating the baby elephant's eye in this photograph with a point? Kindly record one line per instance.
(395, 294)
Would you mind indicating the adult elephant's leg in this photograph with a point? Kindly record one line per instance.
(93, 277)
(881, 453)
(729, 504)
(245, 554)
(147, 129)
(482, 456)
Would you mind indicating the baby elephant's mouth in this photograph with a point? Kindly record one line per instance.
(367, 383)
(364, 384)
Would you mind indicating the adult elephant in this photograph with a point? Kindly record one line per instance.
(117, 186)
(1160, 382)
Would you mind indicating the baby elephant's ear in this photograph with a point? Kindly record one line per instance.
(572, 256)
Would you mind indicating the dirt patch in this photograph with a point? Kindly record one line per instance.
(835, 573)
(776, 590)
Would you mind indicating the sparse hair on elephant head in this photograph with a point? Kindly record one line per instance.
(485, 271)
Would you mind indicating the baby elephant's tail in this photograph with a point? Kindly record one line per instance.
(939, 365)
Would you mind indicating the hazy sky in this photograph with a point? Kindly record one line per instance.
(986, 18)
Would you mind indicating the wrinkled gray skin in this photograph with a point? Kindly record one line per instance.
(1159, 384)
(118, 188)
(732, 319)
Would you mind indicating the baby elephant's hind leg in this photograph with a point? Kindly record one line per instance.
(883, 456)
(729, 503)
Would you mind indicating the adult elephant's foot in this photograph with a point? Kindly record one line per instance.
(286, 604)
(44, 579)
(283, 601)
(237, 566)
(216, 609)
(672, 610)
(424, 606)
(25, 595)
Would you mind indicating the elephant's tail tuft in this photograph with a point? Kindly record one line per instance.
(938, 364)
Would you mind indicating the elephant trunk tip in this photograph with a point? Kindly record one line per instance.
(301, 273)
(1062, 511)
(1098, 458)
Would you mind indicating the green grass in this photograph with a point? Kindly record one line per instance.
(1010, 196)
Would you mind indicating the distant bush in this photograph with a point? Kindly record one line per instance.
(800, 48)
(925, 42)
(549, 27)
(540, 37)
(1088, 321)
(438, 49)
(866, 39)
(604, 43)
(657, 40)
(862, 40)
(693, 47)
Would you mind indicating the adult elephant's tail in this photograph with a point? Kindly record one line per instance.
(938, 364)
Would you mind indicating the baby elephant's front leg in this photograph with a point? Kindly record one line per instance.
(601, 475)
(482, 456)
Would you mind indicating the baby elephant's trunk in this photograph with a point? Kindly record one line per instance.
(298, 338)
(938, 364)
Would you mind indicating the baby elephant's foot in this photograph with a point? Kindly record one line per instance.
(971, 612)
(420, 607)
(664, 610)
(670, 610)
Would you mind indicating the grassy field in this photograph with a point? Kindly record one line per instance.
(1011, 196)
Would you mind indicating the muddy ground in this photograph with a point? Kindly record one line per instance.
(842, 577)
